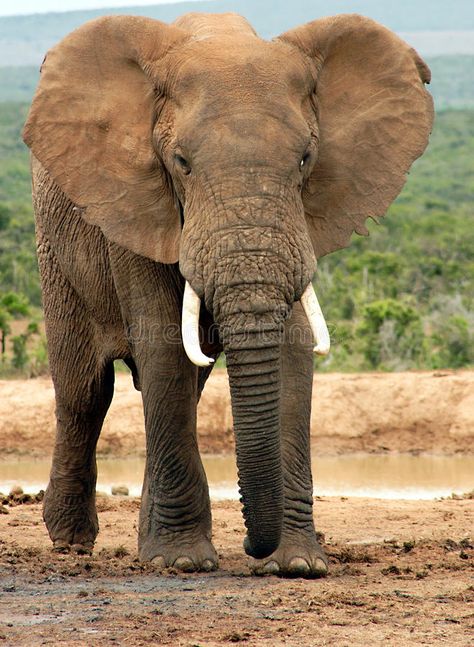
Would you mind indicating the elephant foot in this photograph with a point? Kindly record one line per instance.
(293, 558)
(71, 522)
(63, 547)
(186, 557)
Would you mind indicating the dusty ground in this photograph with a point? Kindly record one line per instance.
(402, 572)
(411, 412)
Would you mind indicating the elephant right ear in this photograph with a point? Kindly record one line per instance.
(374, 116)
(91, 127)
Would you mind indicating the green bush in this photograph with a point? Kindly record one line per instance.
(23, 357)
(391, 334)
(453, 343)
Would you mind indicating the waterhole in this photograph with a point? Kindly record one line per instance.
(390, 476)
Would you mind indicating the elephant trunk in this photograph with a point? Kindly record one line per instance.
(252, 348)
(253, 365)
(251, 333)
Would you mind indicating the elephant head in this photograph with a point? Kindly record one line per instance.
(242, 159)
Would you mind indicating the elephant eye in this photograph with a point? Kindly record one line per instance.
(304, 160)
(183, 164)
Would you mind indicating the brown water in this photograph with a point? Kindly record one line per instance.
(384, 476)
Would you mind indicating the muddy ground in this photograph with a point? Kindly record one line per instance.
(401, 572)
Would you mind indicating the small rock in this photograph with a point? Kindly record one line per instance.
(391, 570)
(120, 490)
(3, 510)
(236, 637)
(16, 491)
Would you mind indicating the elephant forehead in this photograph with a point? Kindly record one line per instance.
(208, 25)
(241, 67)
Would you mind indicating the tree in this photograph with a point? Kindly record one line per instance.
(5, 329)
(11, 305)
(20, 354)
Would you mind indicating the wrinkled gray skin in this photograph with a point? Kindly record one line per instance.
(92, 296)
(235, 132)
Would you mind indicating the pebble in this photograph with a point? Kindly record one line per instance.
(120, 490)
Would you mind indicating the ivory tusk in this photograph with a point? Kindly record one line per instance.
(313, 311)
(190, 328)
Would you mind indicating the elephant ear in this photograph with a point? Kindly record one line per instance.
(91, 127)
(374, 116)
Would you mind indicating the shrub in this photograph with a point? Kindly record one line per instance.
(392, 335)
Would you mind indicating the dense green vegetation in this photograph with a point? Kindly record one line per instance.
(402, 298)
(22, 351)
(18, 269)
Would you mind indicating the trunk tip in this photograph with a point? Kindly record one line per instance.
(260, 550)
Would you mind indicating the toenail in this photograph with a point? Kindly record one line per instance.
(184, 564)
(82, 549)
(298, 566)
(61, 546)
(159, 562)
(320, 568)
(272, 567)
(208, 565)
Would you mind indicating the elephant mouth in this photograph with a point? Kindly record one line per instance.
(190, 324)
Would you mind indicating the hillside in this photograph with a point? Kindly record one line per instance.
(25, 39)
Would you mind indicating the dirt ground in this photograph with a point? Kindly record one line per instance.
(401, 572)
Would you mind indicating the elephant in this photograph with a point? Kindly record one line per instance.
(188, 176)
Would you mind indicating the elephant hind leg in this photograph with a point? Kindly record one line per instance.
(83, 378)
(69, 509)
(130, 362)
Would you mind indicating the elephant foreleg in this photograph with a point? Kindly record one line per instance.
(175, 517)
(175, 514)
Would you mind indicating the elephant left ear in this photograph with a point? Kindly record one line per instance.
(374, 116)
(91, 127)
